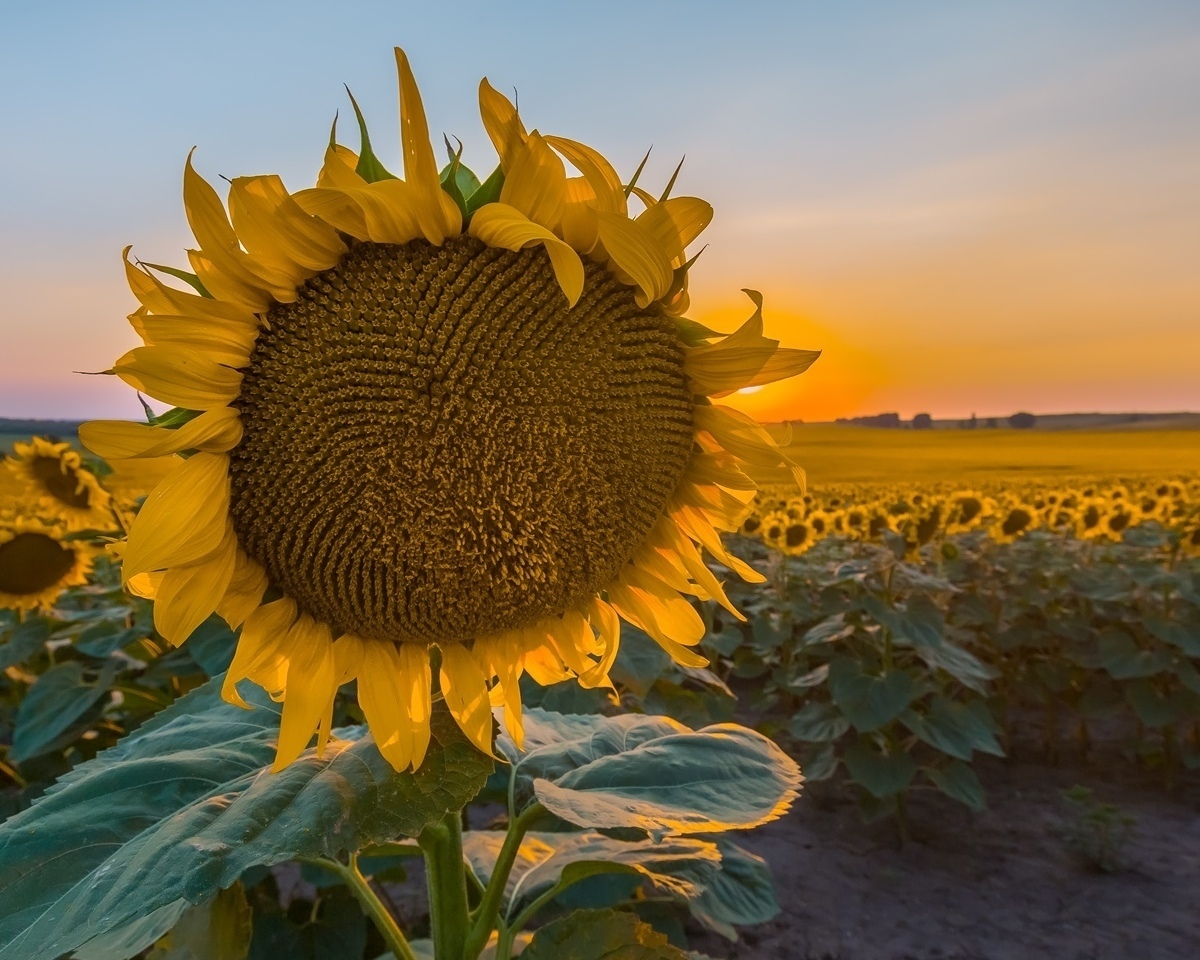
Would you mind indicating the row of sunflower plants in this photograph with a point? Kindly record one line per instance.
(899, 666)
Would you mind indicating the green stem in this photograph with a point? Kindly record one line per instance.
(447, 882)
(374, 907)
(489, 907)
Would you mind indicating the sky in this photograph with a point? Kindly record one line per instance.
(981, 207)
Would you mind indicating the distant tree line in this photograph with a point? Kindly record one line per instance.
(924, 421)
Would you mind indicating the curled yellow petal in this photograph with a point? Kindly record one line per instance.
(465, 690)
(310, 687)
(636, 254)
(215, 431)
(260, 655)
(499, 225)
(501, 122)
(245, 591)
(183, 520)
(437, 213)
(179, 376)
(536, 182)
(675, 223)
(188, 595)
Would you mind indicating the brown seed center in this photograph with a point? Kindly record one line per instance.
(436, 449)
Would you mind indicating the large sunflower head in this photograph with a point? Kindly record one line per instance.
(55, 475)
(37, 564)
(459, 429)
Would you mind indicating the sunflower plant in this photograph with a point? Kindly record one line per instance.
(432, 438)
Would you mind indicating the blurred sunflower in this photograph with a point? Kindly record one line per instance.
(1116, 520)
(1088, 517)
(966, 510)
(797, 537)
(458, 427)
(1190, 541)
(56, 477)
(1012, 522)
(773, 526)
(37, 564)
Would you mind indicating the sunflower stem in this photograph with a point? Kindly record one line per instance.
(446, 877)
(489, 907)
(375, 909)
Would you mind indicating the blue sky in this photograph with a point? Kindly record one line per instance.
(969, 206)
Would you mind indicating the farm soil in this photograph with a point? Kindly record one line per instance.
(998, 885)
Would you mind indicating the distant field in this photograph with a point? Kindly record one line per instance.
(834, 454)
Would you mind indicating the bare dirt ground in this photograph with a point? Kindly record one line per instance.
(999, 885)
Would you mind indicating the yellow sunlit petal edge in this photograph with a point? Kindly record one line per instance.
(261, 245)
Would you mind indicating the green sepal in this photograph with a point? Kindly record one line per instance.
(172, 419)
(694, 334)
(458, 180)
(488, 192)
(190, 279)
(369, 167)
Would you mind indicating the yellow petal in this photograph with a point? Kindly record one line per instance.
(465, 690)
(693, 562)
(157, 297)
(638, 606)
(394, 692)
(604, 618)
(675, 223)
(272, 225)
(672, 615)
(743, 437)
(501, 122)
(696, 525)
(634, 251)
(183, 519)
(536, 182)
(311, 682)
(438, 214)
(245, 592)
(499, 225)
(226, 344)
(179, 376)
(597, 171)
(216, 431)
(261, 655)
(188, 595)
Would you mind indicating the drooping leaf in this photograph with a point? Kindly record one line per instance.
(216, 930)
(869, 702)
(654, 774)
(959, 781)
(180, 808)
(818, 722)
(59, 702)
(23, 640)
(742, 893)
(600, 935)
(881, 775)
(545, 859)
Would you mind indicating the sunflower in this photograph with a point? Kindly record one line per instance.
(1013, 521)
(460, 429)
(37, 564)
(56, 477)
(966, 510)
(797, 537)
(773, 527)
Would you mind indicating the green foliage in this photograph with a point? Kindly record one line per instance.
(184, 806)
(600, 935)
(1097, 832)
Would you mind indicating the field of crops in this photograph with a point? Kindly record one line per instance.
(911, 626)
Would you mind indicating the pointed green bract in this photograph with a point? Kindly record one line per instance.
(369, 166)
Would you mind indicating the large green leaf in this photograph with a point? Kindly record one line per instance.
(881, 774)
(23, 640)
(216, 930)
(654, 774)
(61, 701)
(869, 702)
(600, 935)
(959, 781)
(180, 808)
(546, 859)
(741, 893)
(957, 729)
(818, 722)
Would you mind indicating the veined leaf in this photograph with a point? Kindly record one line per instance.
(600, 935)
(56, 705)
(180, 808)
(881, 775)
(652, 773)
(869, 702)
